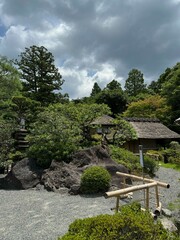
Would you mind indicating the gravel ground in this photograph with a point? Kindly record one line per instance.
(41, 215)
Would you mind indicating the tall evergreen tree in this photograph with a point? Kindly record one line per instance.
(41, 79)
(95, 90)
(134, 83)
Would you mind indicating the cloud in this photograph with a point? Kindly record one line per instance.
(79, 83)
(95, 39)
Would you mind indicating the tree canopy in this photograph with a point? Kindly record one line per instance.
(96, 89)
(152, 107)
(10, 84)
(134, 83)
(41, 78)
(113, 96)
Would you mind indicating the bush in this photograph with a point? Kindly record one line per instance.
(95, 179)
(130, 223)
(172, 154)
(131, 161)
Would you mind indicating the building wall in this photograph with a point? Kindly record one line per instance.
(147, 144)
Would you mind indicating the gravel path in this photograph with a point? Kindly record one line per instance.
(41, 215)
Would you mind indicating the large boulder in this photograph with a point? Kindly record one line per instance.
(23, 175)
(99, 155)
(60, 175)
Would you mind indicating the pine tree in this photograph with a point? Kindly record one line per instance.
(41, 79)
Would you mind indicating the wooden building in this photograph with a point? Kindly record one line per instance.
(151, 133)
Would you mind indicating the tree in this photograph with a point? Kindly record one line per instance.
(134, 83)
(171, 90)
(113, 96)
(96, 89)
(7, 127)
(25, 108)
(114, 85)
(53, 137)
(123, 131)
(156, 86)
(10, 84)
(60, 130)
(41, 79)
(152, 107)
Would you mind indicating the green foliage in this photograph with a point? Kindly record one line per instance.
(131, 161)
(135, 83)
(152, 107)
(171, 90)
(156, 86)
(130, 223)
(60, 130)
(82, 114)
(113, 96)
(173, 153)
(40, 76)
(123, 131)
(95, 179)
(10, 84)
(7, 127)
(96, 89)
(16, 156)
(25, 108)
(53, 137)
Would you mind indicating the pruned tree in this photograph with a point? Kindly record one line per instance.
(41, 78)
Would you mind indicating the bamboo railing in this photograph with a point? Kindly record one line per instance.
(147, 184)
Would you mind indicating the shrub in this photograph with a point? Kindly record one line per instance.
(95, 179)
(172, 154)
(17, 156)
(131, 161)
(130, 223)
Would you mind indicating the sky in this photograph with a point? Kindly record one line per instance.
(95, 40)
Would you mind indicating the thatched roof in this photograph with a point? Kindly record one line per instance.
(151, 129)
(103, 120)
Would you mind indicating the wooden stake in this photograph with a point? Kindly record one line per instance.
(117, 203)
(147, 198)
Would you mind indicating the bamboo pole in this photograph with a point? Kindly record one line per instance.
(147, 198)
(162, 184)
(117, 203)
(157, 196)
(129, 189)
(158, 209)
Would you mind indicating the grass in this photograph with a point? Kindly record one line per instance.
(170, 165)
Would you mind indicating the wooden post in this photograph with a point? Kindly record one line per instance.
(117, 203)
(157, 196)
(147, 198)
(158, 209)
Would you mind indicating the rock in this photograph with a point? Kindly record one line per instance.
(24, 174)
(59, 175)
(166, 212)
(169, 225)
(75, 189)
